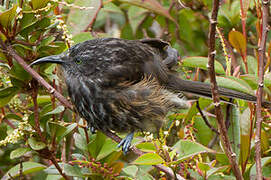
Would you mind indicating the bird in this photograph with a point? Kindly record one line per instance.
(127, 85)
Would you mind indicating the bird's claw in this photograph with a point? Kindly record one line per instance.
(91, 128)
(126, 143)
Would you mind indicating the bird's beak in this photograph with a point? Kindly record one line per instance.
(49, 59)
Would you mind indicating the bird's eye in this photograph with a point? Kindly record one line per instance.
(78, 61)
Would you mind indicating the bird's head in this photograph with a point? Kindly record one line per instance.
(78, 60)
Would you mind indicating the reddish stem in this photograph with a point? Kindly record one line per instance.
(261, 56)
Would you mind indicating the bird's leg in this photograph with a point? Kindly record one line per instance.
(172, 57)
(91, 128)
(126, 142)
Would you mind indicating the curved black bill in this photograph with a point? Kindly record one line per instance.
(49, 59)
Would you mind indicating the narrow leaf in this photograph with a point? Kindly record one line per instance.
(7, 16)
(234, 131)
(201, 62)
(238, 41)
(245, 126)
(7, 94)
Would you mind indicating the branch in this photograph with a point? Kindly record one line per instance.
(35, 75)
(261, 50)
(67, 104)
(219, 116)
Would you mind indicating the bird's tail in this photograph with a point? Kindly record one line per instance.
(204, 89)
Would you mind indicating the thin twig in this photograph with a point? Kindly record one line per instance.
(205, 119)
(53, 160)
(21, 170)
(261, 50)
(213, 141)
(219, 116)
(5, 119)
(36, 113)
(89, 27)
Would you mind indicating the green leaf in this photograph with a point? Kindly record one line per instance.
(7, 94)
(204, 134)
(234, 83)
(188, 149)
(19, 152)
(149, 159)
(146, 147)
(252, 64)
(69, 129)
(201, 62)
(130, 170)
(245, 126)
(36, 145)
(81, 37)
(28, 167)
(80, 142)
(95, 146)
(251, 80)
(42, 100)
(108, 147)
(54, 177)
(27, 20)
(234, 131)
(3, 65)
(264, 161)
(78, 20)
(267, 79)
(264, 141)
(18, 72)
(46, 41)
(203, 102)
(217, 170)
(112, 12)
(72, 171)
(13, 116)
(238, 41)
(151, 5)
(7, 16)
(127, 32)
(136, 16)
(57, 129)
(222, 158)
(57, 110)
(37, 4)
(203, 166)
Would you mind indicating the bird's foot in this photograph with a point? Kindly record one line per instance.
(91, 128)
(126, 142)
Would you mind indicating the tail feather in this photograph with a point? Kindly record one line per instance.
(204, 89)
